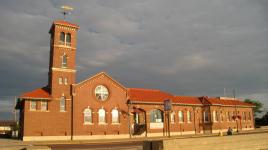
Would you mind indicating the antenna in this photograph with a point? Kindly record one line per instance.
(66, 10)
(234, 93)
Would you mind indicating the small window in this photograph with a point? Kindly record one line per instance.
(62, 104)
(172, 117)
(64, 61)
(65, 81)
(115, 116)
(181, 117)
(62, 38)
(87, 116)
(189, 117)
(68, 39)
(60, 80)
(44, 106)
(33, 105)
(102, 119)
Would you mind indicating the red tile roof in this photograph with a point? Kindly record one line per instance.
(62, 22)
(156, 96)
(217, 101)
(187, 100)
(148, 95)
(41, 93)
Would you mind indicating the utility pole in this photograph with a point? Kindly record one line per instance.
(14, 109)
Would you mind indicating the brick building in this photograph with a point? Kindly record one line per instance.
(100, 107)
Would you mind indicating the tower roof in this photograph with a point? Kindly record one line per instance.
(63, 23)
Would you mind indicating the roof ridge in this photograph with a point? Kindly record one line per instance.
(144, 89)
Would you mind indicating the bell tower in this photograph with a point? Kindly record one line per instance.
(62, 68)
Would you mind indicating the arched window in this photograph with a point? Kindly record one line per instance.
(156, 115)
(87, 116)
(102, 119)
(62, 104)
(68, 39)
(228, 116)
(215, 116)
(189, 117)
(64, 61)
(62, 38)
(115, 116)
(206, 116)
(172, 117)
(181, 117)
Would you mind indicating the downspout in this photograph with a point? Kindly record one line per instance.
(72, 111)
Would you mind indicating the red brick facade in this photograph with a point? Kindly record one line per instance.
(100, 107)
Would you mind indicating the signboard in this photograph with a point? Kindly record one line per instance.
(156, 125)
(167, 105)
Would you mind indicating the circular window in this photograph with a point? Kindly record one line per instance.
(101, 93)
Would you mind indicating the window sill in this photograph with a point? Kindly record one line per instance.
(64, 111)
(102, 123)
(88, 123)
(45, 111)
(116, 124)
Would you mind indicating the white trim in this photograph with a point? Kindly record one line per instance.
(63, 69)
(46, 138)
(247, 128)
(93, 137)
(89, 123)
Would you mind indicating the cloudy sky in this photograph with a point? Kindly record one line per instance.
(185, 47)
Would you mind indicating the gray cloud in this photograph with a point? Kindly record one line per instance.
(186, 47)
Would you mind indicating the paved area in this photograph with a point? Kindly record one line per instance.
(120, 144)
(12, 144)
(100, 146)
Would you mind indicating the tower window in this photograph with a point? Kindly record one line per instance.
(60, 80)
(68, 39)
(65, 39)
(64, 61)
(65, 81)
(62, 38)
(62, 104)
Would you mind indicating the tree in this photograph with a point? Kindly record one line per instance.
(258, 105)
